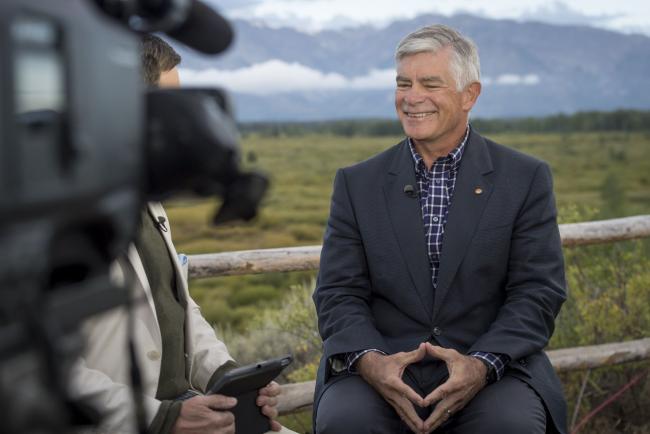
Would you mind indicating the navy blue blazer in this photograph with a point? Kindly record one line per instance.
(501, 279)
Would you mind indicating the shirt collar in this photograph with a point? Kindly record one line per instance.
(452, 159)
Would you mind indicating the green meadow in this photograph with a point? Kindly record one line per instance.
(604, 171)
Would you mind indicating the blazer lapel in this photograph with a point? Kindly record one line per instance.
(141, 275)
(158, 213)
(406, 218)
(471, 193)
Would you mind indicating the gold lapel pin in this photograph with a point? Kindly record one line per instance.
(478, 190)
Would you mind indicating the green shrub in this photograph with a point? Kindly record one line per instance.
(254, 294)
(609, 290)
(292, 328)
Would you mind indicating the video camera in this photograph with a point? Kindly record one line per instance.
(83, 146)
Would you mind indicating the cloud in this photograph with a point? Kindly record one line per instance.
(276, 76)
(312, 16)
(512, 80)
(315, 15)
(560, 13)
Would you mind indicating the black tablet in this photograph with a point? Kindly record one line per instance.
(244, 383)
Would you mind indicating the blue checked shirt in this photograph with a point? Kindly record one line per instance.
(436, 190)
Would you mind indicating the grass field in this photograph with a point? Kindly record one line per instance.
(609, 171)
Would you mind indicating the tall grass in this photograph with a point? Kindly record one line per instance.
(588, 169)
(597, 175)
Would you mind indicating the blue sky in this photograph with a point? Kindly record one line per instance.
(312, 15)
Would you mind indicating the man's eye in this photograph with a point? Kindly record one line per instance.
(403, 85)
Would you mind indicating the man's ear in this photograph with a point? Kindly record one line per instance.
(169, 79)
(470, 95)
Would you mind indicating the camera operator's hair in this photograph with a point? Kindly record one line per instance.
(465, 65)
(157, 56)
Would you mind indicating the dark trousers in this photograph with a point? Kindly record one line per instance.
(508, 406)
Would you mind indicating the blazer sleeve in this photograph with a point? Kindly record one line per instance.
(208, 352)
(535, 283)
(343, 292)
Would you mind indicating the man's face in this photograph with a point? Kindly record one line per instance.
(428, 105)
(169, 79)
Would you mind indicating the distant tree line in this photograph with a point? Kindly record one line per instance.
(619, 120)
(592, 121)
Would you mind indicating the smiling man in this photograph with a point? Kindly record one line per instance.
(441, 272)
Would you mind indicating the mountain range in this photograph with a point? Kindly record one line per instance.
(528, 69)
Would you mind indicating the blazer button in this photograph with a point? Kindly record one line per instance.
(523, 362)
(437, 331)
(153, 355)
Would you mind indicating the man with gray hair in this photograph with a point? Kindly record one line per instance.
(441, 272)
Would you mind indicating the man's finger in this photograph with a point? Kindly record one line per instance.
(223, 419)
(219, 402)
(270, 411)
(413, 427)
(407, 392)
(407, 413)
(413, 356)
(263, 400)
(438, 394)
(445, 354)
(271, 389)
(440, 414)
(275, 426)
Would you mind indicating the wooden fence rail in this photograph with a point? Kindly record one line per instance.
(299, 396)
(307, 258)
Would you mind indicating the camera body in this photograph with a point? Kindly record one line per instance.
(83, 146)
(72, 128)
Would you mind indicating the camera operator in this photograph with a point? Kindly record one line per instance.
(178, 353)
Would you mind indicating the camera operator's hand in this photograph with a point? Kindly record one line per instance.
(206, 415)
(267, 399)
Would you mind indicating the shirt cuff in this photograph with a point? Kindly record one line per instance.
(165, 419)
(352, 358)
(497, 361)
(345, 362)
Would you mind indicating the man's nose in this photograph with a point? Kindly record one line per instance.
(413, 96)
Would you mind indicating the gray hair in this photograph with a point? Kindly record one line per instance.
(465, 65)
